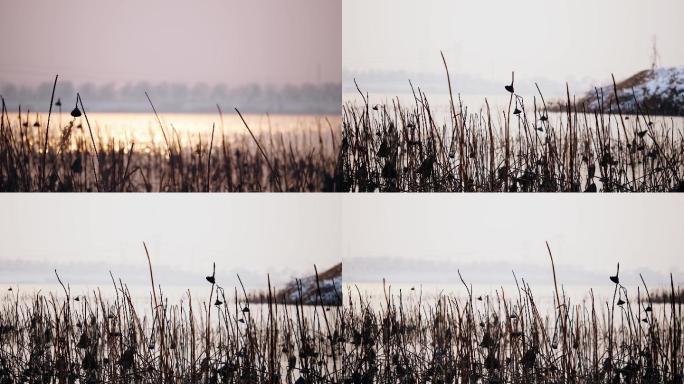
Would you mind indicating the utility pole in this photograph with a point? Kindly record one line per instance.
(655, 57)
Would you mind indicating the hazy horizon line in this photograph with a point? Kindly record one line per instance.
(431, 271)
(310, 98)
(97, 273)
(389, 81)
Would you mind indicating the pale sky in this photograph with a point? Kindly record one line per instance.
(593, 232)
(212, 41)
(285, 234)
(280, 234)
(559, 40)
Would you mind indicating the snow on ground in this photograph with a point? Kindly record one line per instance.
(661, 91)
(331, 290)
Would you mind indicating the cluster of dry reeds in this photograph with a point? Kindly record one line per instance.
(90, 339)
(39, 156)
(404, 148)
(508, 339)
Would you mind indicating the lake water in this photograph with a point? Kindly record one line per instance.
(438, 101)
(427, 294)
(141, 296)
(144, 127)
(440, 107)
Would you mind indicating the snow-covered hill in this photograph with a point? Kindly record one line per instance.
(657, 92)
(305, 290)
(330, 282)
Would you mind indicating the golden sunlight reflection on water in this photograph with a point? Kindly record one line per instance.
(189, 127)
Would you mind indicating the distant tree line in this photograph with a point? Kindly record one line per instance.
(177, 97)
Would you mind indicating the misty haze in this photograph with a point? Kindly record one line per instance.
(525, 96)
(170, 96)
